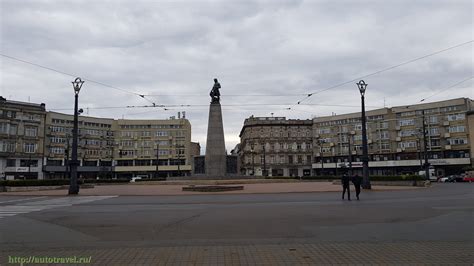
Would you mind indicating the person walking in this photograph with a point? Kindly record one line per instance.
(345, 186)
(357, 180)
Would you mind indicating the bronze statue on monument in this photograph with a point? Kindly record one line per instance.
(215, 94)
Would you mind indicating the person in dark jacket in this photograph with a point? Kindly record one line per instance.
(345, 186)
(357, 180)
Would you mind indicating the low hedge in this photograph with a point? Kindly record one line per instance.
(28, 183)
(151, 179)
(372, 178)
(56, 182)
(101, 181)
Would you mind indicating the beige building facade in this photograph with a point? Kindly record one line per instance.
(22, 131)
(395, 138)
(36, 144)
(275, 146)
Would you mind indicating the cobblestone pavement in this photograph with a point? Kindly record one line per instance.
(399, 227)
(395, 253)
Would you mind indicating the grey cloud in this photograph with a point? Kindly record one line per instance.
(253, 47)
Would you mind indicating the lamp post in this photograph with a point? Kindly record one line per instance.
(253, 161)
(365, 157)
(418, 145)
(264, 172)
(157, 157)
(425, 145)
(321, 157)
(74, 186)
(349, 137)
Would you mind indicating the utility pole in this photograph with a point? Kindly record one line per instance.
(253, 159)
(264, 173)
(365, 156)
(425, 145)
(157, 157)
(74, 186)
(349, 136)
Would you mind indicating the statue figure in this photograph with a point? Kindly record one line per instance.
(215, 94)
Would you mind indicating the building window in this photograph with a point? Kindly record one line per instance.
(161, 133)
(383, 125)
(28, 163)
(406, 122)
(56, 150)
(434, 131)
(290, 159)
(385, 146)
(433, 120)
(384, 135)
(457, 141)
(11, 162)
(30, 147)
(6, 146)
(456, 129)
(57, 129)
(300, 159)
(407, 144)
(455, 117)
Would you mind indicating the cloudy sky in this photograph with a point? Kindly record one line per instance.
(262, 52)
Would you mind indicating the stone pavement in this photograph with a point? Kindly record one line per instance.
(343, 253)
(150, 190)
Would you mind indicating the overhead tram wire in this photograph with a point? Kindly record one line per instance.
(71, 75)
(383, 70)
(205, 105)
(447, 88)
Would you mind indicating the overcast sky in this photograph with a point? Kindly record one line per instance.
(174, 49)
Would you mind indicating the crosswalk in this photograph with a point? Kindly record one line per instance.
(40, 205)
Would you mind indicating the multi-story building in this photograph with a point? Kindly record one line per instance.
(396, 139)
(35, 144)
(140, 142)
(21, 139)
(95, 146)
(276, 146)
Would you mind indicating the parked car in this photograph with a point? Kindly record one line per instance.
(468, 179)
(134, 179)
(454, 179)
(444, 179)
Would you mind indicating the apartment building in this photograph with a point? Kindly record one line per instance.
(95, 146)
(142, 144)
(21, 139)
(395, 139)
(276, 146)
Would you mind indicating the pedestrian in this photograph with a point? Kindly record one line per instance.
(345, 186)
(357, 180)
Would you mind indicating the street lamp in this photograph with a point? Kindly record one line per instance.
(264, 172)
(349, 138)
(253, 161)
(321, 157)
(365, 157)
(74, 186)
(425, 145)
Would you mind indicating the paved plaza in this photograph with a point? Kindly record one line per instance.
(175, 188)
(417, 226)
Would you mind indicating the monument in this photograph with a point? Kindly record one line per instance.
(216, 157)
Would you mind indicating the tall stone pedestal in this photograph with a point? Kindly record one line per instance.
(215, 159)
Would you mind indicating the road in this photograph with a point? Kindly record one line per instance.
(432, 225)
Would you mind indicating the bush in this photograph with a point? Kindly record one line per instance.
(56, 182)
(103, 181)
(320, 177)
(279, 177)
(151, 179)
(34, 182)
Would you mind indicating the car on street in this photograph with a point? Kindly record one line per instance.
(134, 179)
